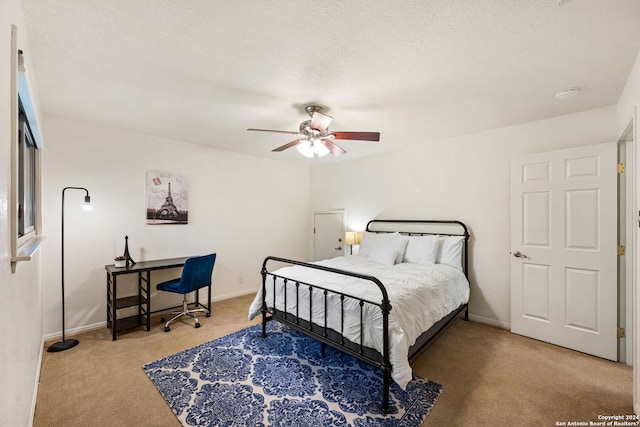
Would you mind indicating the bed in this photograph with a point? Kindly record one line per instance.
(408, 281)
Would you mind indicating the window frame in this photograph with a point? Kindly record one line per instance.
(26, 143)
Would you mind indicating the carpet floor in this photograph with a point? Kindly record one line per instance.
(491, 377)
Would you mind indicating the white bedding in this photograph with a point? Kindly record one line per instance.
(420, 296)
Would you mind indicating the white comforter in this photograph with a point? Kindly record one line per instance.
(420, 296)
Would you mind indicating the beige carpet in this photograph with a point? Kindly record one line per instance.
(490, 377)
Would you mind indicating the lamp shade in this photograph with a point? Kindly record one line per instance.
(352, 238)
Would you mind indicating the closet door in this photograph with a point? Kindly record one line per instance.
(328, 234)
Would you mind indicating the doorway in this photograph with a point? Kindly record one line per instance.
(328, 234)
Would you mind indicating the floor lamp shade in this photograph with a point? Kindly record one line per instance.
(66, 344)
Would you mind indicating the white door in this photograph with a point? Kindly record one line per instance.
(328, 234)
(564, 248)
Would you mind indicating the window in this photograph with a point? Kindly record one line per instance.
(27, 178)
(26, 142)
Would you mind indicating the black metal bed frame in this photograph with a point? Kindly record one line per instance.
(336, 339)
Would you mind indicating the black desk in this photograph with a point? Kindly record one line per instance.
(142, 300)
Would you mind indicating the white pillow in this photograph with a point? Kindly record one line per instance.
(370, 240)
(398, 243)
(366, 243)
(383, 255)
(422, 249)
(450, 251)
(388, 240)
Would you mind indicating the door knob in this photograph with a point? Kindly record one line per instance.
(518, 254)
(339, 248)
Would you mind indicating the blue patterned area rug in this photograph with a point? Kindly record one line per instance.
(282, 380)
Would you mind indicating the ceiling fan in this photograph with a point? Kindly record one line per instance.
(315, 138)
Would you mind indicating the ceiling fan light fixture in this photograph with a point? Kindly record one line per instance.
(312, 148)
(319, 148)
(305, 148)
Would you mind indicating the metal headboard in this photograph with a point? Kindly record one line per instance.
(421, 227)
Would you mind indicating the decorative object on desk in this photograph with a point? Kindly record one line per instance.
(352, 238)
(66, 344)
(128, 260)
(120, 261)
(167, 199)
(283, 379)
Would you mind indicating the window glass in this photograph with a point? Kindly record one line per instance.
(26, 179)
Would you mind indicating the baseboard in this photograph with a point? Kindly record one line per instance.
(34, 399)
(489, 321)
(235, 295)
(79, 329)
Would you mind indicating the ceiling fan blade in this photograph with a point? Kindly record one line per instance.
(358, 136)
(276, 131)
(320, 121)
(334, 149)
(289, 145)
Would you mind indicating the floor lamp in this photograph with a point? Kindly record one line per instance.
(67, 344)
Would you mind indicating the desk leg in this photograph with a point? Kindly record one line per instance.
(109, 320)
(198, 304)
(209, 302)
(146, 293)
(114, 317)
(139, 297)
(148, 300)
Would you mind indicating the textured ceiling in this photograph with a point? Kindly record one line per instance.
(204, 71)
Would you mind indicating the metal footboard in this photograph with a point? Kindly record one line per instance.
(322, 332)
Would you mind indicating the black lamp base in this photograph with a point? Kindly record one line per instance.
(62, 345)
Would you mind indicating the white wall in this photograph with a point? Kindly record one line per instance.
(465, 178)
(627, 111)
(241, 207)
(630, 97)
(20, 301)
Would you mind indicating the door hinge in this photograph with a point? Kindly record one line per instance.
(620, 167)
(621, 333)
(621, 250)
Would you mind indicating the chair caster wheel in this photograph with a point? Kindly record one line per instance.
(197, 325)
(167, 329)
(163, 320)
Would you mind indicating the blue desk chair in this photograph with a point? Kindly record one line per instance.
(196, 274)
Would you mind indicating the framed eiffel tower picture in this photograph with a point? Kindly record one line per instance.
(167, 198)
